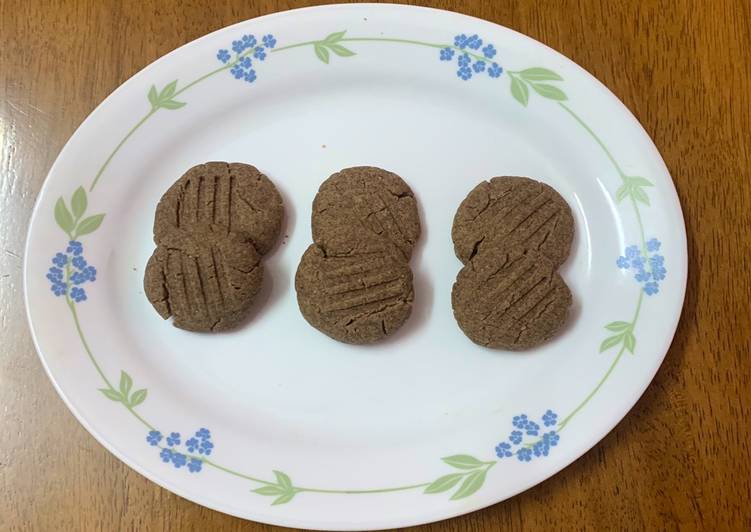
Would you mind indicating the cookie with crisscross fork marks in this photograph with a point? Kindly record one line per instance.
(512, 234)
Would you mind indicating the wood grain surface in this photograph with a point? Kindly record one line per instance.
(679, 460)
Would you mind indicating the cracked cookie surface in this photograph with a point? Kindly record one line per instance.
(513, 211)
(355, 298)
(356, 204)
(226, 197)
(211, 228)
(510, 298)
(204, 281)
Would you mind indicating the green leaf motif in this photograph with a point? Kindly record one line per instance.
(168, 91)
(79, 202)
(285, 498)
(126, 383)
(138, 397)
(639, 181)
(269, 490)
(112, 394)
(321, 52)
(622, 193)
(63, 217)
(549, 91)
(471, 484)
(283, 480)
(539, 74)
(463, 461)
(152, 96)
(340, 50)
(444, 483)
(639, 195)
(89, 225)
(610, 342)
(629, 341)
(172, 104)
(519, 91)
(334, 37)
(618, 326)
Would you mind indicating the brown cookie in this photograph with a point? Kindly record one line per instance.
(226, 197)
(205, 281)
(513, 211)
(510, 298)
(356, 204)
(357, 299)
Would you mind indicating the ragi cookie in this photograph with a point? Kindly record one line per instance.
(510, 298)
(357, 204)
(513, 211)
(225, 197)
(354, 298)
(205, 281)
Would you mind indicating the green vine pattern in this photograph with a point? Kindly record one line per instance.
(469, 473)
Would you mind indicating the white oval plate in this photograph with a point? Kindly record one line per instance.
(304, 431)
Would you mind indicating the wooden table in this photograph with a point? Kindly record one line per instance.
(679, 459)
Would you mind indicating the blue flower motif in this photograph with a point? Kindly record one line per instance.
(249, 41)
(166, 455)
(223, 55)
(642, 276)
(78, 294)
(191, 444)
(238, 46)
(549, 418)
(245, 62)
(551, 438)
(250, 76)
(173, 439)
(478, 66)
(194, 466)
(532, 428)
(237, 71)
(524, 454)
(269, 41)
(658, 273)
(60, 259)
(154, 437)
(495, 70)
(633, 252)
(623, 263)
(59, 289)
(461, 41)
(447, 54)
(203, 433)
(489, 51)
(541, 448)
(205, 447)
(650, 288)
(79, 262)
(464, 73)
(78, 278)
(259, 53)
(656, 260)
(464, 60)
(520, 421)
(179, 460)
(653, 244)
(75, 247)
(474, 42)
(516, 437)
(503, 450)
(637, 262)
(90, 273)
(55, 274)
